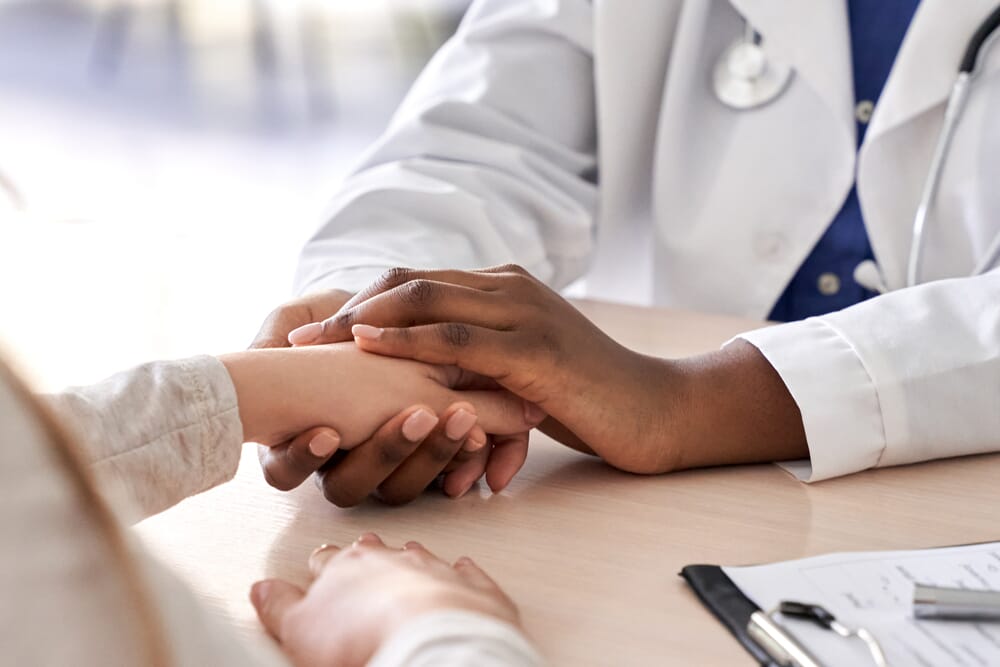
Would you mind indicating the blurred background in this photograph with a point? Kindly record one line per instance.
(163, 161)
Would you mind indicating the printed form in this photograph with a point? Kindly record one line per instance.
(874, 590)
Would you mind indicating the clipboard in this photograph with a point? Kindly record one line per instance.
(868, 594)
(728, 604)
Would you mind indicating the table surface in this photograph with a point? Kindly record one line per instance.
(590, 554)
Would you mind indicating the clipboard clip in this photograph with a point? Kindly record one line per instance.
(787, 651)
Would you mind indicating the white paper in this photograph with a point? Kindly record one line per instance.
(874, 590)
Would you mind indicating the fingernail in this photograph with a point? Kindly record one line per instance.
(534, 414)
(323, 445)
(473, 445)
(459, 424)
(366, 332)
(419, 425)
(305, 334)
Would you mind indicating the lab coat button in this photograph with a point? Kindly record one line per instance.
(828, 284)
(863, 111)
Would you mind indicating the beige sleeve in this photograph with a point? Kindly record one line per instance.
(456, 639)
(158, 433)
(64, 596)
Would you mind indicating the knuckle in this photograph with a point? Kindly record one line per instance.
(397, 275)
(343, 320)
(416, 292)
(274, 479)
(339, 496)
(513, 268)
(550, 344)
(441, 451)
(395, 497)
(391, 453)
(455, 334)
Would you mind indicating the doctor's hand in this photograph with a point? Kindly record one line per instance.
(639, 413)
(361, 595)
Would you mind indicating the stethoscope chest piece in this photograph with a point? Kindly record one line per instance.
(745, 77)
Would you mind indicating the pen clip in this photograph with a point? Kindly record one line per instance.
(823, 618)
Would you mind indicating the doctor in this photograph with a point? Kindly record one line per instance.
(592, 139)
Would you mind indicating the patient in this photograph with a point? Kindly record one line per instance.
(77, 591)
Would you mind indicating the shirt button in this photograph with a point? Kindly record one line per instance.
(863, 111)
(828, 284)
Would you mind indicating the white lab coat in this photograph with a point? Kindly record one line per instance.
(583, 138)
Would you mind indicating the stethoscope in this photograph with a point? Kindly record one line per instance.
(745, 78)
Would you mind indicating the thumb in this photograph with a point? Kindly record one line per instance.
(272, 598)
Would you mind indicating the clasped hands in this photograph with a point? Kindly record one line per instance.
(480, 331)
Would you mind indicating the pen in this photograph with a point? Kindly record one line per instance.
(955, 603)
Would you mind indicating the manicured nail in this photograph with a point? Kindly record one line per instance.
(323, 445)
(305, 334)
(533, 414)
(459, 424)
(473, 445)
(419, 425)
(366, 332)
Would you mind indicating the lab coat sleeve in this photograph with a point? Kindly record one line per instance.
(489, 160)
(157, 433)
(908, 376)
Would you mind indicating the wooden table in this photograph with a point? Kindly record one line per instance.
(590, 554)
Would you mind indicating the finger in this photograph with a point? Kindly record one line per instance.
(423, 301)
(506, 459)
(494, 354)
(474, 575)
(320, 556)
(287, 465)
(282, 320)
(475, 441)
(504, 413)
(369, 539)
(458, 482)
(272, 598)
(505, 268)
(365, 467)
(400, 275)
(421, 468)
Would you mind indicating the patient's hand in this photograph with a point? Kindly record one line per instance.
(364, 593)
(286, 392)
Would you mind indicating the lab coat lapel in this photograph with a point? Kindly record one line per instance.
(895, 158)
(813, 37)
(928, 59)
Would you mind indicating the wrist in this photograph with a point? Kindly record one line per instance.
(735, 408)
(266, 406)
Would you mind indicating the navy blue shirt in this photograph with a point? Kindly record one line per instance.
(825, 281)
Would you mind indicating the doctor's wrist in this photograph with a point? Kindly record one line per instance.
(734, 408)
